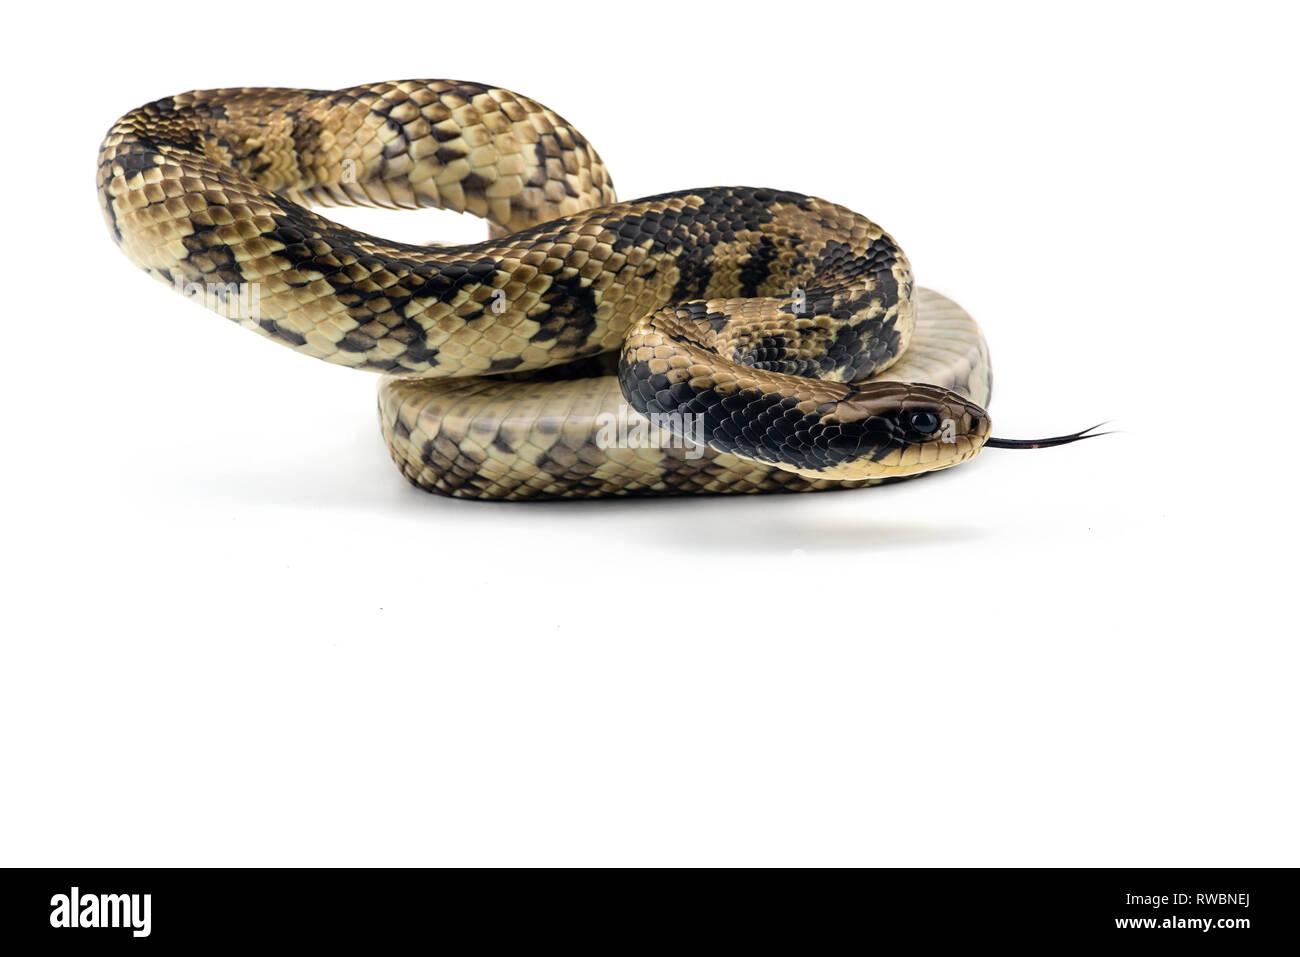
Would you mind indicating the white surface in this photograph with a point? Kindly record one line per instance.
(234, 635)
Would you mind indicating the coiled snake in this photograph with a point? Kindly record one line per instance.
(727, 339)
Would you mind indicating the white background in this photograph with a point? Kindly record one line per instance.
(233, 634)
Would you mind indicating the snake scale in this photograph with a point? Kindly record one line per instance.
(728, 339)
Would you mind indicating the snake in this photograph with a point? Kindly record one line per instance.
(704, 341)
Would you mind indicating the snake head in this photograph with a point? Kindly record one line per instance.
(892, 429)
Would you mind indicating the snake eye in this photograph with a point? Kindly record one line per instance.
(925, 422)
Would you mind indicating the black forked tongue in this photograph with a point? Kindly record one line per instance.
(1088, 433)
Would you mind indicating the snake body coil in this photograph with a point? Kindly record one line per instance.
(728, 339)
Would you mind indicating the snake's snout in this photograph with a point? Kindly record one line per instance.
(963, 433)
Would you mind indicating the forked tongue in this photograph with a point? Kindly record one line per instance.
(1088, 433)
